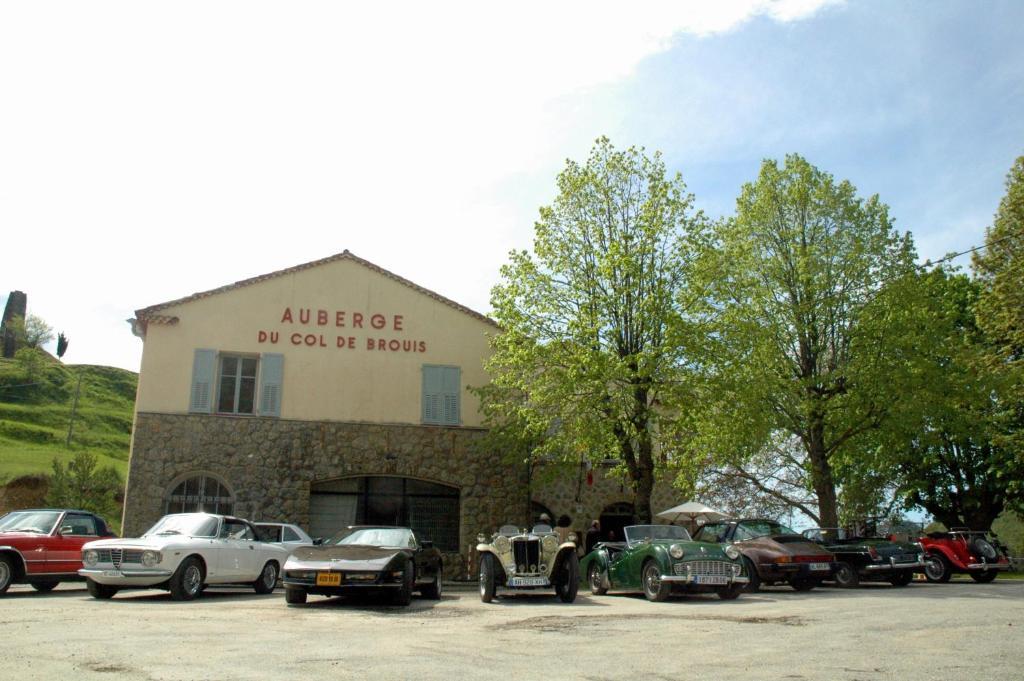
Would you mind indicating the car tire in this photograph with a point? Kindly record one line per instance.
(803, 583)
(267, 580)
(294, 596)
(103, 592)
(731, 593)
(985, 576)
(754, 585)
(984, 549)
(846, 576)
(901, 578)
(45, 587)
(433, 590)
(6, 573)
(937, 568)
(596, 578)
(187, 581)
(488, 577)
(655, 589)
(569, 578)
(404, 594)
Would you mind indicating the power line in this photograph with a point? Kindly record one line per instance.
(952, 256)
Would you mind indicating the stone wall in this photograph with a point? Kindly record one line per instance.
(17, 306)
(269, 465)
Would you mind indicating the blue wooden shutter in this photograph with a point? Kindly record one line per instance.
(432, 386)
(204, 365)
(271, 376)
(451, 390)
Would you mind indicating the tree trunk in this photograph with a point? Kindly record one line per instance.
(821, 475)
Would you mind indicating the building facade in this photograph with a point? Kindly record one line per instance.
(330, 394)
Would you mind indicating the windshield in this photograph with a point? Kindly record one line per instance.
(635, 533)
(40, 522)
(827, 534)
(187, 524)
(750, 529)
(375, 536)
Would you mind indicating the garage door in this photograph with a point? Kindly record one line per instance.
(329, 513)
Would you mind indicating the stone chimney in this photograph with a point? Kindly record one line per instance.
(17, 306)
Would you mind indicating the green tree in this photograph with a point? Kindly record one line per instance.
(31, 362)
(31, 331)
(83, 485)
(942, 446)
(809, 325)
(594, 335)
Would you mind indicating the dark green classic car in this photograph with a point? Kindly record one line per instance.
(865, 558)
(660, 559)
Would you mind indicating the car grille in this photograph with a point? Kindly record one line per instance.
(717, 568)
(526, 553)
(905, 558)
(118, 556)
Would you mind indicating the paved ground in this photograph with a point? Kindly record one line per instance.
(924, 631)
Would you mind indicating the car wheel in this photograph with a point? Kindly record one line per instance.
(433, 590)
(803, 583)
(294, 596)
(404, 595)
(487, 577)
(104, 592)
(6, 573)
(983, 548)
(902, 578)
(595, 575)
(846, 576)
(267, 580)
(187, 581)
(731, 593)
(937, 568)
(655, 589)
(754, 585)
(984, 577)
(44, 587)
(569, 579)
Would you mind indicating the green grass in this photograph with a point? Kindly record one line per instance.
(35, 413)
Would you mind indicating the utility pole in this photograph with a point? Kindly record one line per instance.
(74, 408)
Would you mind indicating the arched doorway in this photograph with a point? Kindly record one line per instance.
(536, 509)
(200, 492)
(614, 518)
(431, 509)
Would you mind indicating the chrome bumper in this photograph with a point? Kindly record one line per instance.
(691, 579)
(126, 577)
(896, 566)
(988, 566)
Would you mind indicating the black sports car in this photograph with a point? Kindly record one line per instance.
(360, 559)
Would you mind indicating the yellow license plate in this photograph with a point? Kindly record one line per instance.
(328, 579)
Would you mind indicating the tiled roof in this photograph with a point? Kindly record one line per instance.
(150, 314)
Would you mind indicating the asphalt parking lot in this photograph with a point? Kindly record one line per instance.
(923, 631)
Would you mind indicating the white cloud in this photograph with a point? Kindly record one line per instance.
(149, 151)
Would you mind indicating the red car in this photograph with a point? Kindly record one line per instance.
(43, 547)
(963, 550)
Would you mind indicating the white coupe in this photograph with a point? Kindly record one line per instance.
(183, 553)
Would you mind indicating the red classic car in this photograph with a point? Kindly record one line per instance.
(43, 547)
(963, 550)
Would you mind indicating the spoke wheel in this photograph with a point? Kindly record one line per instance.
(267, 579)
(937, 568)
(487, 577)
(187, 581)
(595, 575)
(654, 588)
(846, 576)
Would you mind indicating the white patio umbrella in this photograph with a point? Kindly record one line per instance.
(692, 511)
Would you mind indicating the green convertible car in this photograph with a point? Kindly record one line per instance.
(660, 559)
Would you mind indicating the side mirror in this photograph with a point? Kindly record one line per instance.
(427, 544)
(318, 541)
(65, 531)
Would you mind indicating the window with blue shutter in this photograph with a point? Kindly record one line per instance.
(204, 365)
(271, 375)
(441, 395)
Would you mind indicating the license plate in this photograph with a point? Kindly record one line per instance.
(528, 581)
(111, 573)
(819, 566)
(710, 579)
(328, 579)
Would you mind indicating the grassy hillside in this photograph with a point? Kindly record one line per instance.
(34, 416)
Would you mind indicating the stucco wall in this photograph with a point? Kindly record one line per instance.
(323, 381)
(269, 465)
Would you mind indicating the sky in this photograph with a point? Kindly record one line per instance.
(153, 150)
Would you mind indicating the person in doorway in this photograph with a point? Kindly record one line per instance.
(563, 530)
(593, 536)
(544, 519)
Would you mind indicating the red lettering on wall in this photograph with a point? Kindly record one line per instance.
(423, 346)
(304, 315)
(263, 337)
(369, 344)
(287, 316)
(377, 321)
(321, 317)
(296, 339)
(394, 345)
(357, 320)
(339, 319)
(382, 344)
(398, 322)
(347, 342)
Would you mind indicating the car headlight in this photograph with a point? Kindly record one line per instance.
(550, 543)
(90, 557)
(501, 543)
(732, 552)
(150, 558)
(676, 551)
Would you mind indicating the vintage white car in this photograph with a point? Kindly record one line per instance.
(183, 553)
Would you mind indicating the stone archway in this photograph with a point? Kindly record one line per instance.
(614, 518)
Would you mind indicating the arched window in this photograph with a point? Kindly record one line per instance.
(200, 493)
